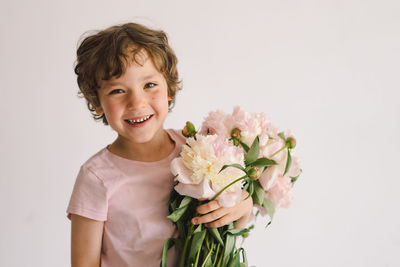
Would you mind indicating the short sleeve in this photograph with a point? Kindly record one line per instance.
(89, 196)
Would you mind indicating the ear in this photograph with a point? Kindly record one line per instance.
(169, 98)
(99, 110)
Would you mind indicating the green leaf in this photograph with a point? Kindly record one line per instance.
(172, 197)
(174, 205)
(251, 187)
(179, 243)
(282, 135)
(216, 235)
(185, 201)
(197, 241)
(252, 154)
(183, 206)
(235, 261)
(237, 232)
(198, 229)
(181, 229)
(259, 194)
(235, 165)
(265, 169)
(167, 245)
(177, 214)
(228, 249)
(288, 162)
(270, 207)
(261, 162)
(245, 147)
(294, 179)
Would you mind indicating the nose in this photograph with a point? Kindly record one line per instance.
(136, 99)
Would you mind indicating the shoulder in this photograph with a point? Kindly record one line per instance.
(176, 134)
(98, 166)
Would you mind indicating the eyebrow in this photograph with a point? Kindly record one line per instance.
(149, 77)
(107, 84)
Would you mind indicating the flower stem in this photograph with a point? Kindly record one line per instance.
(189, 236)
(197, 257)
(220, 258)
(223, 189)
(285, 146)
(216, 255)
(208, 255)
(206, 239)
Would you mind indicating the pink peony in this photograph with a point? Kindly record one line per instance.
(198, 169)
(263, 211)
(280, 192)
(219, 123)
(273, 145)
(269, 176)
(250, 124)
(253, 125)
(294, 169)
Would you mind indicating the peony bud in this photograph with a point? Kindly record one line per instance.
(290, 142)
(235, 142)
(246, 234)
(235, 133)
(254, 172)
(185, 132)
(189, 130)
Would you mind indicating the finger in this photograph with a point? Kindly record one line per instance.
(208, 207)
(212, 216)
(242, 209)
(224, 220)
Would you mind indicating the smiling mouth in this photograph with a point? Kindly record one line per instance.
(139, 121)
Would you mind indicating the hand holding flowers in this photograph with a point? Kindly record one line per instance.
(214, 215)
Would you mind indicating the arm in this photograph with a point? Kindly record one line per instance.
(213, 215)
(86, 239)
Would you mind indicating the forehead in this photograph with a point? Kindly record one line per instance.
(137, 67)
(133, 55)
(141, 57)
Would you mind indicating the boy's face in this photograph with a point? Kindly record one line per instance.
(136, 103)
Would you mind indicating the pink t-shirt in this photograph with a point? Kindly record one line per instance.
(131, 198)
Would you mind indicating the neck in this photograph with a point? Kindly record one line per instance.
(156, 149)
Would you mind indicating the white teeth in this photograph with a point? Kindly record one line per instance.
(140, 120)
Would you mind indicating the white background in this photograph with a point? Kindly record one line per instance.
(327, 70)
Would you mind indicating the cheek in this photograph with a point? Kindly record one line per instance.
(160, 97)
(111, 109)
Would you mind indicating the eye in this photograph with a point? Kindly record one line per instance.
(150, 85)
(116, 91)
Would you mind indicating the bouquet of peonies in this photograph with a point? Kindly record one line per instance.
(230, 153)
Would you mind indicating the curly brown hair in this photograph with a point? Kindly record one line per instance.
(105, 54)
